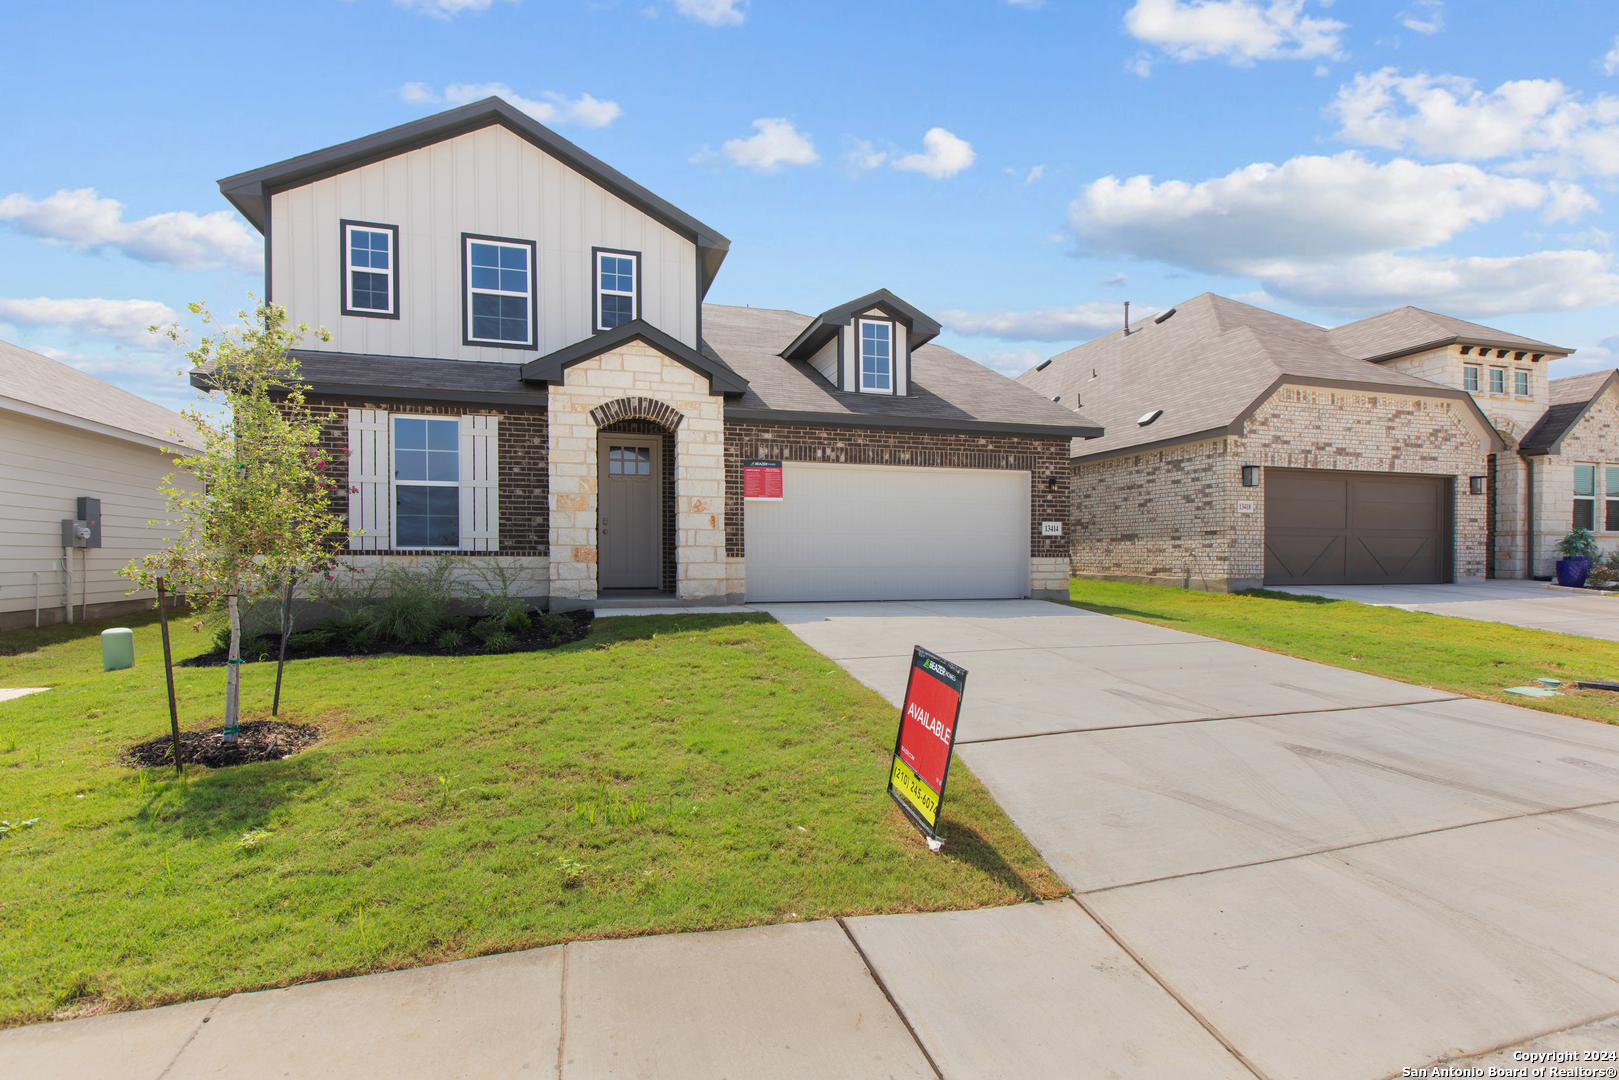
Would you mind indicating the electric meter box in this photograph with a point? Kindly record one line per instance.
(90, 513)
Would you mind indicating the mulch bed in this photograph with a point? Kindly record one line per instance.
(256, 740)
(264, 649)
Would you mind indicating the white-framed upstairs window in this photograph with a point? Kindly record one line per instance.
(618, 287)
(423, 483)
(1470, 378)
(499, 277)
(1498, 380)
(1520, 382)
(370, 270)
(876, 357)
(1585, 489)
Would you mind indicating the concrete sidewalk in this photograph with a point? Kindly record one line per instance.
(1532, 604)
(1282, 870)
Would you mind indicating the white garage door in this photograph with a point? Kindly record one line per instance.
(860, 532)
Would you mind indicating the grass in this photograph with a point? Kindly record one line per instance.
(668, 773)
(1477, 659)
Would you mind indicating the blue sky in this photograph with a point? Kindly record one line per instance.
(1017, 169)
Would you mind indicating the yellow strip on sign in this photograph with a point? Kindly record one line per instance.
(918, 794)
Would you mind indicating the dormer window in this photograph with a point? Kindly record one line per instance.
(876, 357)
(618, 296)
(500, 291)
(370, 270)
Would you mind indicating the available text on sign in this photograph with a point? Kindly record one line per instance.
(927, 734)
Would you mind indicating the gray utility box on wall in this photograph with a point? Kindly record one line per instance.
(85, 530)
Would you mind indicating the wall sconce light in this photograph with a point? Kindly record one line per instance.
(1250, 476)
(1475, 485)
(1051, 483)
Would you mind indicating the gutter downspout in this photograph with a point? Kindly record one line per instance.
(1529, 515)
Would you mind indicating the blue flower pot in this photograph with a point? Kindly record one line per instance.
(1571, 572)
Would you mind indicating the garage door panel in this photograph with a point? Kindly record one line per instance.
(1382, 529)
(846, 532)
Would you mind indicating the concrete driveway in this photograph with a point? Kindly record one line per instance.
(1533, 604)
(1331, 875)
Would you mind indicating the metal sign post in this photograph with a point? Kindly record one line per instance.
(926, 737)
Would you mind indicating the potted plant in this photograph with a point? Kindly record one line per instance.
(1578, 548)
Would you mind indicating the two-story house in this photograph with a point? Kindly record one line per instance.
(1244, 447)
(521, 366)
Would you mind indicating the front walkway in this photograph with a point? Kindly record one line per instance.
(1281, 870)
(1533, 604)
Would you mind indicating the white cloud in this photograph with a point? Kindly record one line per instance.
(1311, 207)
(1533, 124)
(1013, 363)
(775, 143)
(1075, 321)
(863, 155)
(1236, 31)
(550, 107)
(1610, 59)
(187, 241)
(714, 12)
(121, 320)
(446, 9)
(1029, 176)
(943, 155)
(1139, 65)
(1429, 18)
(1343, 233)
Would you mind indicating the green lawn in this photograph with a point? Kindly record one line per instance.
(1478, 659)
(429, 822)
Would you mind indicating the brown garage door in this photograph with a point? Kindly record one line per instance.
(1337, 528)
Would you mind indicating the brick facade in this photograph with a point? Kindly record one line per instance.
(1045, 460)
(1172, 516)
(1592, 441)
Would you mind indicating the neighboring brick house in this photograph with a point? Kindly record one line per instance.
(521, 367)
(1571, 466)
(1243, 447)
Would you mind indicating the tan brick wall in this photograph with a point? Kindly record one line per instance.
(1593, 441)
(637, 370)
(1173, 516)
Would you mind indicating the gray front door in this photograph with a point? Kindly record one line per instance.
(630, 550)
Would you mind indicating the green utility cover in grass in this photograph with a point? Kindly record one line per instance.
(1530, 691)
(117, 649)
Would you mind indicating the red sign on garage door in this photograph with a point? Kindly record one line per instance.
(761, 480)
(927, 734)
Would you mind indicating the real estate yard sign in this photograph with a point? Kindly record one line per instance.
(761, 480)
(927, 734)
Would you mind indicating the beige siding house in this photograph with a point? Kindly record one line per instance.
(1244, 448)
(65, 435)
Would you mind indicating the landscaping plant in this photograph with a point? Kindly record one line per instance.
(261, 510)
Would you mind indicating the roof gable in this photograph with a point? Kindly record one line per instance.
(1571, 399)
(722, 379)
(1408, 329)
(921, 328)
(250, 191)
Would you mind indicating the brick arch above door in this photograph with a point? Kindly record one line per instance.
(637, 408)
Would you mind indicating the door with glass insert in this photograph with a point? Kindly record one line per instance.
(628, 519)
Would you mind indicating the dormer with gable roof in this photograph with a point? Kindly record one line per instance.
(865, 346)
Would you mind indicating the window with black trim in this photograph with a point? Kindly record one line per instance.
(876, 357)
(618, 287)
(370, 270)
(1585, 489)
(499, 278)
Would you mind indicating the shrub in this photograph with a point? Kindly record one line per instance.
(350, 633)
(516, 621)
(451, 640)
(499, 641)
(411, 615)
(1578, 544)
(311, 640)
(554, 626)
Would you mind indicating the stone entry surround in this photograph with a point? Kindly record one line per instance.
(636, 381)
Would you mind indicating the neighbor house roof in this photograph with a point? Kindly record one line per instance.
(36, 385)
(1199, 370)
(1570, 398)
(1409, 329)
(949, 392)
(250, 191)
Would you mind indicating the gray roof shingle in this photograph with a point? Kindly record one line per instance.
(1205, 366)
(1407, 329)
(1570, 398)
(948, 391)
(49, 384)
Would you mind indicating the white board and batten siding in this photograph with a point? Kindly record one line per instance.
(488, 182)
(863, 532)
(371, 499)
(44, 468)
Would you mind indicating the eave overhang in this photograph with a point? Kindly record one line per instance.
(920, 328)
(551, 367)
(788, 418)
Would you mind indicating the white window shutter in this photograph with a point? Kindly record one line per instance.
(480, 483)
(368, 475)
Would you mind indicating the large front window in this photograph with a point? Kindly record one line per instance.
(500, 291)
(370, 270)
(615, 288)
(427, 478)
(877, 357)
(1585, 488)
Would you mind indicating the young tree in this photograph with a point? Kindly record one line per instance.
(262, 511)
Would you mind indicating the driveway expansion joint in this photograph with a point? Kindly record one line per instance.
(899, 1012)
